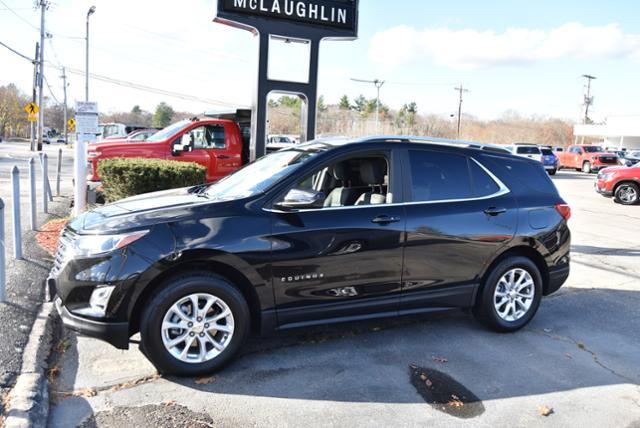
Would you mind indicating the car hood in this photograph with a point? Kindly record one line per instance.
(618, 168)
(141, 211)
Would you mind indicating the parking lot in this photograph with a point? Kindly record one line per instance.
(577, 363)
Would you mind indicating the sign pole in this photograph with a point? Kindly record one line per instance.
(86, 123)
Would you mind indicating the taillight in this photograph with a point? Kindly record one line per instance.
(564, 210)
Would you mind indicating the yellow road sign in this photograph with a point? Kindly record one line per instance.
(32, 108)
(71, 123)
(32, 118)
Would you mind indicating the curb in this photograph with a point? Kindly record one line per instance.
(29, 399)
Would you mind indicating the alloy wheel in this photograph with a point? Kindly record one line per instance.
(197, 328)
(514, 294)
(628, 194)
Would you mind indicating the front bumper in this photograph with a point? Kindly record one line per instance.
(601, 188)
(114, 333)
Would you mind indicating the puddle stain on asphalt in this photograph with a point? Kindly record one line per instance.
(444, 393)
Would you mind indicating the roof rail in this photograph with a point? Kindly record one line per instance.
(443, 141)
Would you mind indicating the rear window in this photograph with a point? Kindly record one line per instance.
(531, 174)
(528, 151)
(546, 152)
(439, 176)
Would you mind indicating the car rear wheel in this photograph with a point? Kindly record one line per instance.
(586, 167)
(553, 172)
(194, 325)
(511, 295)
(628, 194)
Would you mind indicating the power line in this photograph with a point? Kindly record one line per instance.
(150, 89)
(17, 53)
(50, 91)
(17, 15)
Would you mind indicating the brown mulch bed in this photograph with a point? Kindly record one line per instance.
(48, 235)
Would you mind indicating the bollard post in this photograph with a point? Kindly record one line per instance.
(45, 197)
(3, 278)
(17, 225)
(45, 159)
(59, 172)
(32, 194)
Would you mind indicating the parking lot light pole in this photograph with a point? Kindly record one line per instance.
(91, 11)
(378, 83)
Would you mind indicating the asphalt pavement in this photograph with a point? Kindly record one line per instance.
(576, 364)
(25, 287)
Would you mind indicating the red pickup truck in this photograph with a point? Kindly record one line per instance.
(218, 144)
(587, 158)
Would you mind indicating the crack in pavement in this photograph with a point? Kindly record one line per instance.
(92, 392)
(584, 348)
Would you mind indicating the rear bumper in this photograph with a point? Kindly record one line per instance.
(557, 278)
(114, 333)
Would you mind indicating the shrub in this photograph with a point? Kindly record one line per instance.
(124, 177)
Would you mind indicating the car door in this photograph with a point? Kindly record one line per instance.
(199, 150)
(340, 262)
(224, 149)
(458, 217)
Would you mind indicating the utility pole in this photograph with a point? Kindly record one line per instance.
(64, 88)
(588, 99)
(33, 95)
(460, 90)
(91, 11)
(378, 83)
(43, 4)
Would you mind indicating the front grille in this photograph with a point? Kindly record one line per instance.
(608, 159)
(63, 252)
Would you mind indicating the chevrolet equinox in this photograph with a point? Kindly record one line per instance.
(323, 232)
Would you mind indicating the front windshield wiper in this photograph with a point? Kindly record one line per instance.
(200, 190)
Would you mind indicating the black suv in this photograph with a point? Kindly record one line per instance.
(324, 232)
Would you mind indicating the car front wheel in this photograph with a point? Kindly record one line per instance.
(628, 194)
(553, 172)
(586, 167)
(194, 324)
(511, 295)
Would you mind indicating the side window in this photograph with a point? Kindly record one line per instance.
(483, 184)
(351, 182)
(208, 137)
(438, 176)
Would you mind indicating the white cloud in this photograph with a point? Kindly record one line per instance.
(470, 48)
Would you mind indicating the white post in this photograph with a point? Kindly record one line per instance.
(32, 194)
(80, 175)
(3, 278)
(17, 225)
(45, 196)
(59, 170)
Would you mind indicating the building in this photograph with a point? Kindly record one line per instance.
(620, 132)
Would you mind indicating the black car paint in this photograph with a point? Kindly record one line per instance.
(433, 258)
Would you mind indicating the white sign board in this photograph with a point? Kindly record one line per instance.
(86, 118)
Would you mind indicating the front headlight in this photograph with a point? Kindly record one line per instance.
(93, 245)
(606, 176)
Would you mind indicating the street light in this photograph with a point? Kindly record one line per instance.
(378, 83)
(91, 11)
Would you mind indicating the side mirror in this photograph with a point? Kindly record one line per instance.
(183, 146)
(298, 199)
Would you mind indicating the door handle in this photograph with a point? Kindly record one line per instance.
(222, 157)
(385, 219)
(493, 211)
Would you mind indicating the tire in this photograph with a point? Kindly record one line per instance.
(486, 311)
(627, 194)
(586, 167)
(176, 292)
(553, 172)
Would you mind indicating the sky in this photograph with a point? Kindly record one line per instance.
(512, 55)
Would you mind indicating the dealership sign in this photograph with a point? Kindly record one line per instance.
(338, 14)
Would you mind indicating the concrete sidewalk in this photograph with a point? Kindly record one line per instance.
(25, 278)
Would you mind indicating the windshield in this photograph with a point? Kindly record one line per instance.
(593, 149)
(257, 177)
(528, 151)
(169, 131)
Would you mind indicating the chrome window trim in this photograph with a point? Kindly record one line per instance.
(503, 190)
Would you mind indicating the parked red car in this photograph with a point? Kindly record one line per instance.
(622, 183)
(217, 144)
(587, 158)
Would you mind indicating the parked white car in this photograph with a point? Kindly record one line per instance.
(527, 151)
